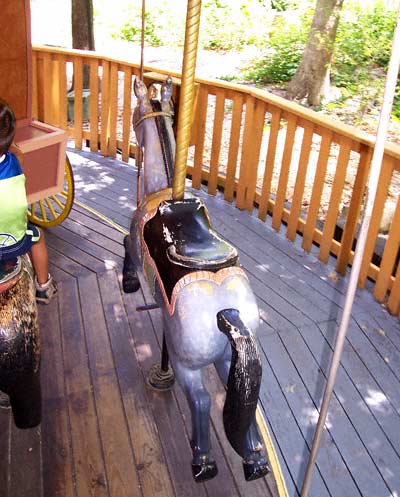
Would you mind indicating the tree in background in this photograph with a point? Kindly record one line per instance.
(82, 30)
(312, 78)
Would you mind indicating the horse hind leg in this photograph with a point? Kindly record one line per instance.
(203, 467)
(25, 400)
(130, 280)
(255, 463)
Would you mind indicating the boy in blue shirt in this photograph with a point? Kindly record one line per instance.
(17, 235)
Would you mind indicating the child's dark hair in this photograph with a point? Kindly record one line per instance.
(7, 127)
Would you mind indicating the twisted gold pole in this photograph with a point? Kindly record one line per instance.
(186, 97)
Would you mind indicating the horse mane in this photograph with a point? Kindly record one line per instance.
(165, 140)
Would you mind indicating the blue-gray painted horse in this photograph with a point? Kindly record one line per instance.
(209, 310)
(19, 343)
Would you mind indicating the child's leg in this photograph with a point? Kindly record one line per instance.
(40, 259)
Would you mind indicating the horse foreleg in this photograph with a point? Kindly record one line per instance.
(255, 463)
(203, 468)
(130, 280)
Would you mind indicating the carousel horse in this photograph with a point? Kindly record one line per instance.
(209, 310)
(19, 343)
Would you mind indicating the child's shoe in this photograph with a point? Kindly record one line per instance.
(45, 292)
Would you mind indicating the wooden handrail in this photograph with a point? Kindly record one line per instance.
(264, 152)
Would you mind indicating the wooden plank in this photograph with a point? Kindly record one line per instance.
(151, 465)
(303, 403)
(126, 114)
(176, 448)
(334, 200)
(381, 477)
(89, 465)
(269, 162)
(389, 257)
(47, 79)
(376, 216)
(200, 126)
(234, 139)
(119, 460)
(25, 463)
(94, 105)
(254, 155)
(5, 431)
(216, 141)
(284, 173)
(318, 186)
(353, 215)
(345, 414)
(244, 158)
(78, 102)
(105, 107)
(57, 467)
(295, 209)
(112, 146)
(35, 96)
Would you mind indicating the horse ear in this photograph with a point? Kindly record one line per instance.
(140, 90)
(166, 90)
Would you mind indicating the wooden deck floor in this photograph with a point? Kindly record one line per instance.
(105, 433)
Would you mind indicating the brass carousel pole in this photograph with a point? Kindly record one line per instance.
(186, 97)
(139, 154)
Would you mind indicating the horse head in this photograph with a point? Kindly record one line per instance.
(152, 121)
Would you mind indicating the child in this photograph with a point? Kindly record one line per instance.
(17, 235)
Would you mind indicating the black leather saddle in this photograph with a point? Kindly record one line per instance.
(180, 240)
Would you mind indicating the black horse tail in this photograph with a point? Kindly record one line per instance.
(244, 379)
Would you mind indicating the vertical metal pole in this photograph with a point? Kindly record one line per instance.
(186, 97)
(376, 163)
(139, 155)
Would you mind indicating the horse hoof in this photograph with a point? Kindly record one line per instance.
(255, 468)
(204, 471)
(130, 282)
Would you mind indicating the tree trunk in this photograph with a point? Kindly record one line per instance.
(312, 80)
(82, 30)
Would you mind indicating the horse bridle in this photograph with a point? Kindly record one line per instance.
(162, 132)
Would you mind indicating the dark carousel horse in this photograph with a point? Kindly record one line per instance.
(19, 343)
(209, 310)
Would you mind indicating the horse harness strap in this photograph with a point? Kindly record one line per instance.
(152, 114)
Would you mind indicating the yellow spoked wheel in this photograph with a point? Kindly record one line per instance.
(54, 209)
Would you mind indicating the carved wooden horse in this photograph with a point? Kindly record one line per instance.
(19, 343)
(209, 310)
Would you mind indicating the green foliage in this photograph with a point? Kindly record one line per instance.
(284, 51)
(225, 24)
(363, 42)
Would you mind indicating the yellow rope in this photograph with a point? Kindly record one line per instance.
(186, 97)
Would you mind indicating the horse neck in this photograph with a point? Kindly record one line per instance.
(159, 154)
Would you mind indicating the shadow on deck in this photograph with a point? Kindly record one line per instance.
(106, 433)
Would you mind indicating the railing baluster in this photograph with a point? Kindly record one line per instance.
(112, 146)
(216, 141)
(126, 114)
(380, 198)
(94, 105)
(199, 136)
(295, 208)
(105, 108)
(334, 200)
(284, 173)
(319, 179)
(234, 139)
(353, 214)
(269, 162)
(389, 257)
(78, 101)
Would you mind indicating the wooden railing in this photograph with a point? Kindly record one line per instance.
(307, 173)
